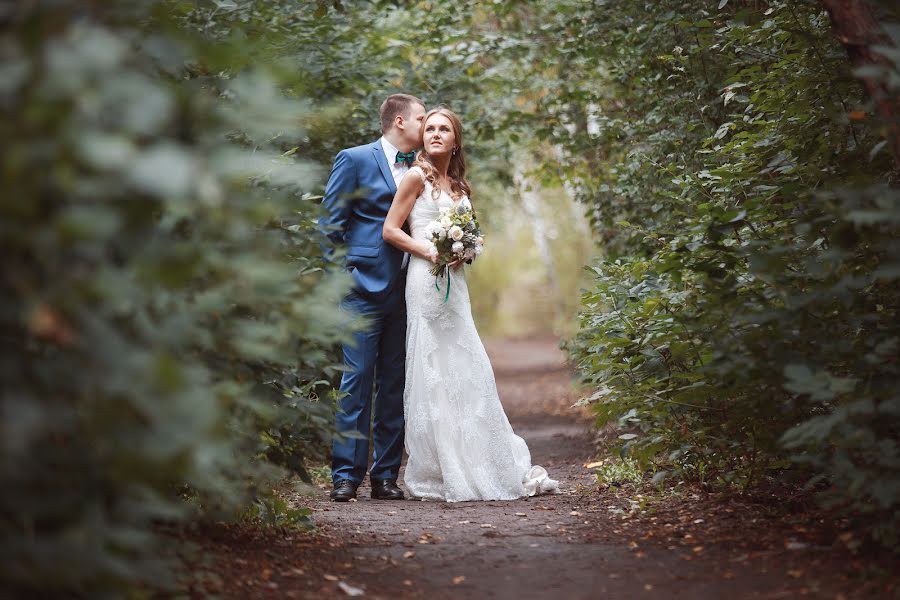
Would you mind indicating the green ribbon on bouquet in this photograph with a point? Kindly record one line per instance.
(438, 288)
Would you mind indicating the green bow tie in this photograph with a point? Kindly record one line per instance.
(405, 157)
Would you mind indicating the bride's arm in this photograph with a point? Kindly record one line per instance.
(410, 188)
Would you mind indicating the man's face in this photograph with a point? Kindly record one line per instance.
(413, 126)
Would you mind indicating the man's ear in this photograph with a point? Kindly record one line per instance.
(399, 122)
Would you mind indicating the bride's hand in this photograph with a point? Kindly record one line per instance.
(456, 264)
(428, 252)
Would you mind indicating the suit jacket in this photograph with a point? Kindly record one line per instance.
(357, 198)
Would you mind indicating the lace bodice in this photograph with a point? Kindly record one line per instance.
(427, 208)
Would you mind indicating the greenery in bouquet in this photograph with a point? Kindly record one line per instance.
(455, 235)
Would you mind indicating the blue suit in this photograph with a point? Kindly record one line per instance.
(358, 195)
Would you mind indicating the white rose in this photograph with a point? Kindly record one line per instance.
(457, 247)
(446, 223)
(434, 230)
(456, 233)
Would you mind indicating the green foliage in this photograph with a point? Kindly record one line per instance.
(274, 511)
(320, 474)
(747, 316)
(169, 332)
(620, 472)
(166, 323)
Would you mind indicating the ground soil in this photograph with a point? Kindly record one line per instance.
(588, 542)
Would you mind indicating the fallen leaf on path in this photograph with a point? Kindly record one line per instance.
(409, 554)
(594, 465)
(648, 586)
(463, 522)
(486, 525)
(459, 579)
(795, 573)
(407, 582)
(575, 513)
(330, 577)
(697, 549)
(350, 590)
(521, 515)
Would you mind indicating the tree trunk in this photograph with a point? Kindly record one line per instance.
(858, 30)
(532, 204)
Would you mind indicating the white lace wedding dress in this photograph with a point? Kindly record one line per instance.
(460, 443)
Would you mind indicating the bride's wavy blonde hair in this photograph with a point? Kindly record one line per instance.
(456, 171)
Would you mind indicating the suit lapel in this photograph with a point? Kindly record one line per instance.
(378, 154)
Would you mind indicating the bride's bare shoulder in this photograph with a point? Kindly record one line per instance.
(417, 170)
(410, 185)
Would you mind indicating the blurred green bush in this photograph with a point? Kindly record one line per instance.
(168, 332)
(746, 318)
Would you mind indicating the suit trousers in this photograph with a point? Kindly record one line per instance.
(376, 366)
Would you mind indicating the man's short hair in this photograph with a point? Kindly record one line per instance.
(396, 104)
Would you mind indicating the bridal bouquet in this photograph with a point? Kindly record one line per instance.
(455, 235)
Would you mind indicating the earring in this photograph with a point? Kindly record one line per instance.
(454, 151)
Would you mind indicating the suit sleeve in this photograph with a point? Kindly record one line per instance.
(341, 184)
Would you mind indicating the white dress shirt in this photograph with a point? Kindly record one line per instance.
(398, 169)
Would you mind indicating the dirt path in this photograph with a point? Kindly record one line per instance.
(573, 545)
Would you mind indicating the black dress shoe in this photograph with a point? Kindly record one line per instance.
(343, 491)
(386, 489)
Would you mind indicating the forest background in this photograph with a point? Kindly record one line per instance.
(726, 170)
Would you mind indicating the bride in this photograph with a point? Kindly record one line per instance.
(460, 443)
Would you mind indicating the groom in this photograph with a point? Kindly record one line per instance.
(358, 195)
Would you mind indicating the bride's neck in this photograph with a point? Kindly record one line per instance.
(441, 165)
